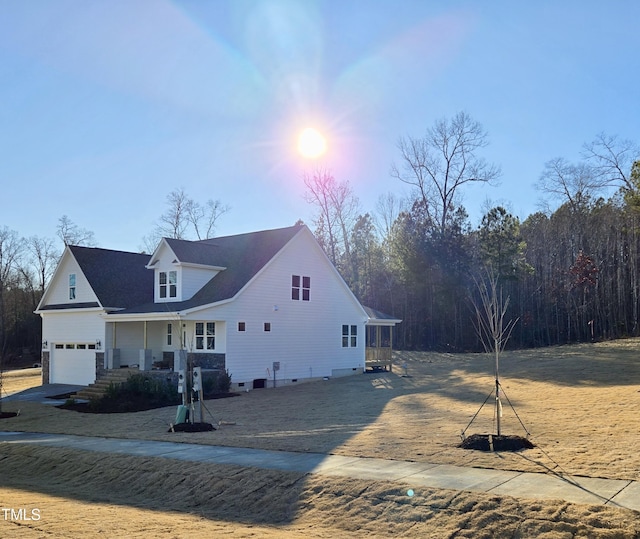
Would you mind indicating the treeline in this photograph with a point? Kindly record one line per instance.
(571, 276)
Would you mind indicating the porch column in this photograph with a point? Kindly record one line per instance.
(145, 358)
(391, 348)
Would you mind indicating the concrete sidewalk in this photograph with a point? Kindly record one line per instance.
(585, 490)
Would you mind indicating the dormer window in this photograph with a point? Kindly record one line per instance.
(72, 286)
(168, 284)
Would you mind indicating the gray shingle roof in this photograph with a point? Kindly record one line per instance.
(243, 256)
(379, 316)
(118, 278)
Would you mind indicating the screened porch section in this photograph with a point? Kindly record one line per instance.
(379, 340)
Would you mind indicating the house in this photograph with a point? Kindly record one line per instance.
(267, 306)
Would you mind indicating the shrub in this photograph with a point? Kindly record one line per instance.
(139, 392)
(216, 383)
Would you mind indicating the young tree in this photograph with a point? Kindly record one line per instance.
(443, 161)
(492, 327)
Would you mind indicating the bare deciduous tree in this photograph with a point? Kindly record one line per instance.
(611, 159)
(388, 208)
(337, 212)
(185, 219)
(10, 251)
(72, 234)
(442, 161)
(43, 259)
(572, 183)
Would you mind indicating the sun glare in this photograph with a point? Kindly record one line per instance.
(311, 143)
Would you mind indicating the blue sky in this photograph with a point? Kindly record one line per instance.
(107, 106)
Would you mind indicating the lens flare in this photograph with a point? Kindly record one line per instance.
(311, 143)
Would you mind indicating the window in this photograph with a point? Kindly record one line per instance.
(169, 334)
(267, 326)
(349, 336)
(72, 286)
(300, 284)
(91, 346)
(242, 326)
(81, 346)
(171, 283)
(205, 335)
(70, 346)
(59, 346)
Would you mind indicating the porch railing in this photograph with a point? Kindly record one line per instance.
(378, 357)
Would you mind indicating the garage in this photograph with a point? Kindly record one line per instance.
(73, 363)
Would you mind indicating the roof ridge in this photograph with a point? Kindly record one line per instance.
(105, 249)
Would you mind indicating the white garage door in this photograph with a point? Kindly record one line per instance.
(72, 364)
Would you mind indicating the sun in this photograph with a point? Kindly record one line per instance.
(311, 143)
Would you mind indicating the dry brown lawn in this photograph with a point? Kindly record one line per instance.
(580, 404)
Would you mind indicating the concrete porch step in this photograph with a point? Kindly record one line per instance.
(100, 386)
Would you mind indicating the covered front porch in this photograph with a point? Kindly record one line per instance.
(379, 340)
(168, 344)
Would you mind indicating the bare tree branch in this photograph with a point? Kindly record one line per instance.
(441, 162)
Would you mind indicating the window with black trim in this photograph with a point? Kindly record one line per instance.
(300, 287)
(168, 281)
(169, 334)
(72, 286)
(205, 335)
(242, 326)
(349, 336)
(267, 326)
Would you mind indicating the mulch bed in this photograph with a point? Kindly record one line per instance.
(106, 406)
(192, 427)
(491, 442)
(7, 415)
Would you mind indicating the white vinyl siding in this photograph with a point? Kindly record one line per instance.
(64, 327)
(193, 279)
(59, 289)
(305, 335)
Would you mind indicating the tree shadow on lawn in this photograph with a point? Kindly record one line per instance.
(317, 417)
(334, 413)
(613, 363)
